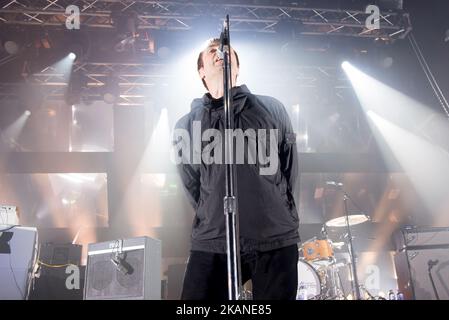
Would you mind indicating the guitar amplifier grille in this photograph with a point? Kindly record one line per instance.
(138, 275)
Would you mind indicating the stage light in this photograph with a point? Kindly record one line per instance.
(295, 108)
(27, 113)
(77, 48)
(345, 65)
(51, 112)
(11, 47)
(304, 137)
(126, 25)
(386, 62)
(109, 97)
(111, 90)
(78, 178)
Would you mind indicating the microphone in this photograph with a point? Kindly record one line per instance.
(119, 260)
(121, 265)
(333, 183)
(432, 263)
(224, 38)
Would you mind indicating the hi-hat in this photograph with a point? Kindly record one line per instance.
(353, 220)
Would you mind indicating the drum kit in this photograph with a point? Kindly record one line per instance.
(318, 268)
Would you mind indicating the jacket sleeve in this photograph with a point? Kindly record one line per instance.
(288, 152)
(187, 170)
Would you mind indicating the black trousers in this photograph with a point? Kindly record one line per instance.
(274, 275)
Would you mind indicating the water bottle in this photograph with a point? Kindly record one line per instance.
(400, 296)
(391, 295)
(302, 294)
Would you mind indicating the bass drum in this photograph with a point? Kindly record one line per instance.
(309, 283)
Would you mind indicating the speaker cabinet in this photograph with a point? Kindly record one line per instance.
(59, 254)
(55, 259)
(18, 254)
(124, 269)
(420, 249)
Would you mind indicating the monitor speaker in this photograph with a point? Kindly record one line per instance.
(422, 263)
(18, 254)
(56, 262)
(124, 269)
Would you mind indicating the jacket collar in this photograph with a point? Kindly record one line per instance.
(238, 93)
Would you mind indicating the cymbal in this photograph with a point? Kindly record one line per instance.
(353, 220)
(337, 245)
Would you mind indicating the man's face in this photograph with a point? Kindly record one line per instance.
(213, 65)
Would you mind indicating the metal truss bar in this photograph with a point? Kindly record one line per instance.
(170, 15)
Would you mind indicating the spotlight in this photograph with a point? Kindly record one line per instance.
(77, 49)
(109, 98)
(11, 47)
(295, 108)
(345, 64)
(27, 113)
(386, 62)
(111, 90)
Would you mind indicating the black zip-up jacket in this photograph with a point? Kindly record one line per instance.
(267, 212)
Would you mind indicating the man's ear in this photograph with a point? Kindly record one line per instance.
(202, 73)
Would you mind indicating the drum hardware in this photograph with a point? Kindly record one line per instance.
(332, 285)
(318, 269)
(347, 221)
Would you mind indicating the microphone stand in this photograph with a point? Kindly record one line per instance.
(235, 289)
(352, 258)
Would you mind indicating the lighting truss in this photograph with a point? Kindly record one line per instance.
(137, 80)
(183, 15)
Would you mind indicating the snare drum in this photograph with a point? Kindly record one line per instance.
(309, 282)
(318, 251)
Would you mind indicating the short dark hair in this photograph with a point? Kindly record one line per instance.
(200, 63)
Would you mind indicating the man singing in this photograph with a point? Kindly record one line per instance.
(268, 220)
